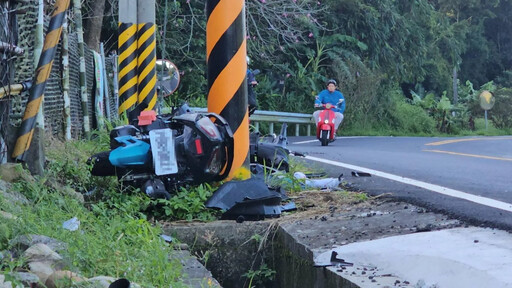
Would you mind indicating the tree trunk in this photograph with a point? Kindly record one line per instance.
(455, 88)
(455, 91)
(92, 31)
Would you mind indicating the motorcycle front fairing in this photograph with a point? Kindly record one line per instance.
(205, 146)
(131, 152)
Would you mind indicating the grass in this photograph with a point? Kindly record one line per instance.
(114, 239)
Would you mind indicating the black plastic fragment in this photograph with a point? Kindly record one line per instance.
(246, 200)
(361, 174)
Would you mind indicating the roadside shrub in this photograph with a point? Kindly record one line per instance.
(364, 98)
(500, 114)
(409, 118)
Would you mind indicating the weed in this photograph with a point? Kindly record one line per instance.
(261, 276)
(187, 204)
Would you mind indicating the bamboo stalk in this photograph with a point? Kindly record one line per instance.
(106, 93)
(14, 89)
(77, 5)
(38, 48)
(11, 49)
(65, 80)
(115, 81)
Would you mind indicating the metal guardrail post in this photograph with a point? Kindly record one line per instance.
(273, 117)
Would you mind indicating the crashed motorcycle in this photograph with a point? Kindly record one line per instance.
(161, 153)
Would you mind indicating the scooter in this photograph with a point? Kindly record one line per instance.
(159, 154)
(325, 131)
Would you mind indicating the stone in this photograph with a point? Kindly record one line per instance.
(63, 278)
(66, 191)
(28, 279)
(12, 197)
(11, 172)
(43, 269)
(102, 281)
(25, 241)
(7, 215)
(41, 252)
(6, 284)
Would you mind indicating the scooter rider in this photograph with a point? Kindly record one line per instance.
(333, 97)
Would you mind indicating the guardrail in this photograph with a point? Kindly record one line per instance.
(273, 117)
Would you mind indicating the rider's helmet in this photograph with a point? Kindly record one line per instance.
(331, 81)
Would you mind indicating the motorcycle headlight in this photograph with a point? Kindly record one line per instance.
(215, 163)
(326, 121)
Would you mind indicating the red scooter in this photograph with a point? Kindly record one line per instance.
(325, 131)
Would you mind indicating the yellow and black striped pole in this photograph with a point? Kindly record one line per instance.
(227, 68)
(146, 53)
(127, 44)
(42, 73)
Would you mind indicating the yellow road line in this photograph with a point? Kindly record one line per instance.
(470, 155)
(465, 140)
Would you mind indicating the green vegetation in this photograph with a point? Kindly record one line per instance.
(383, 54)
(114, 239)
(119, 233)
(392, 59)
(260, 277)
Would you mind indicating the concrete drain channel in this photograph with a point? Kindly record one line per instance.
(279, 253)
(256, 254)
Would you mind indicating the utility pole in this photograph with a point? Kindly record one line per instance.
(226, 53)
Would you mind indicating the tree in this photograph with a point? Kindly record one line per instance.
(94, 23)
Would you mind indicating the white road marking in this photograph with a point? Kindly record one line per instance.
(432, 187)
(308, 141)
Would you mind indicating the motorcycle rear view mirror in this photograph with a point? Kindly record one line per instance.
(168, 77)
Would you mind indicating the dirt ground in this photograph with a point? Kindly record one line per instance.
(325, 219)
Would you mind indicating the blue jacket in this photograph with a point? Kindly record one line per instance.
(327, 97)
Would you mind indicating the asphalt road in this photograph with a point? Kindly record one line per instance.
(469, 178)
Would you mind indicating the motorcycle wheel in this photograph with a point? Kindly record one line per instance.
(324, 137)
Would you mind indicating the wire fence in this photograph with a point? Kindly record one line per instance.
(17, 22)
(8, 35)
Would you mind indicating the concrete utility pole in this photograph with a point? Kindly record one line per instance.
(127, 56)
(77, 7)
(146, 55)
(226, 53)
(137, 56)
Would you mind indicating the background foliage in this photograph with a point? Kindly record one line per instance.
(381, 52)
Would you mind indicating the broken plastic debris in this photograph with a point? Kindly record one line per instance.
(71, 224)
(360, 174)
(290, 206)
(325, 183)
(166, 238)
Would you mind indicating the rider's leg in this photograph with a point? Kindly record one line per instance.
(316, 114)
(338, 120)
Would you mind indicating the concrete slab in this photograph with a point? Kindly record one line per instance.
(195, 275)
(459, 257)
